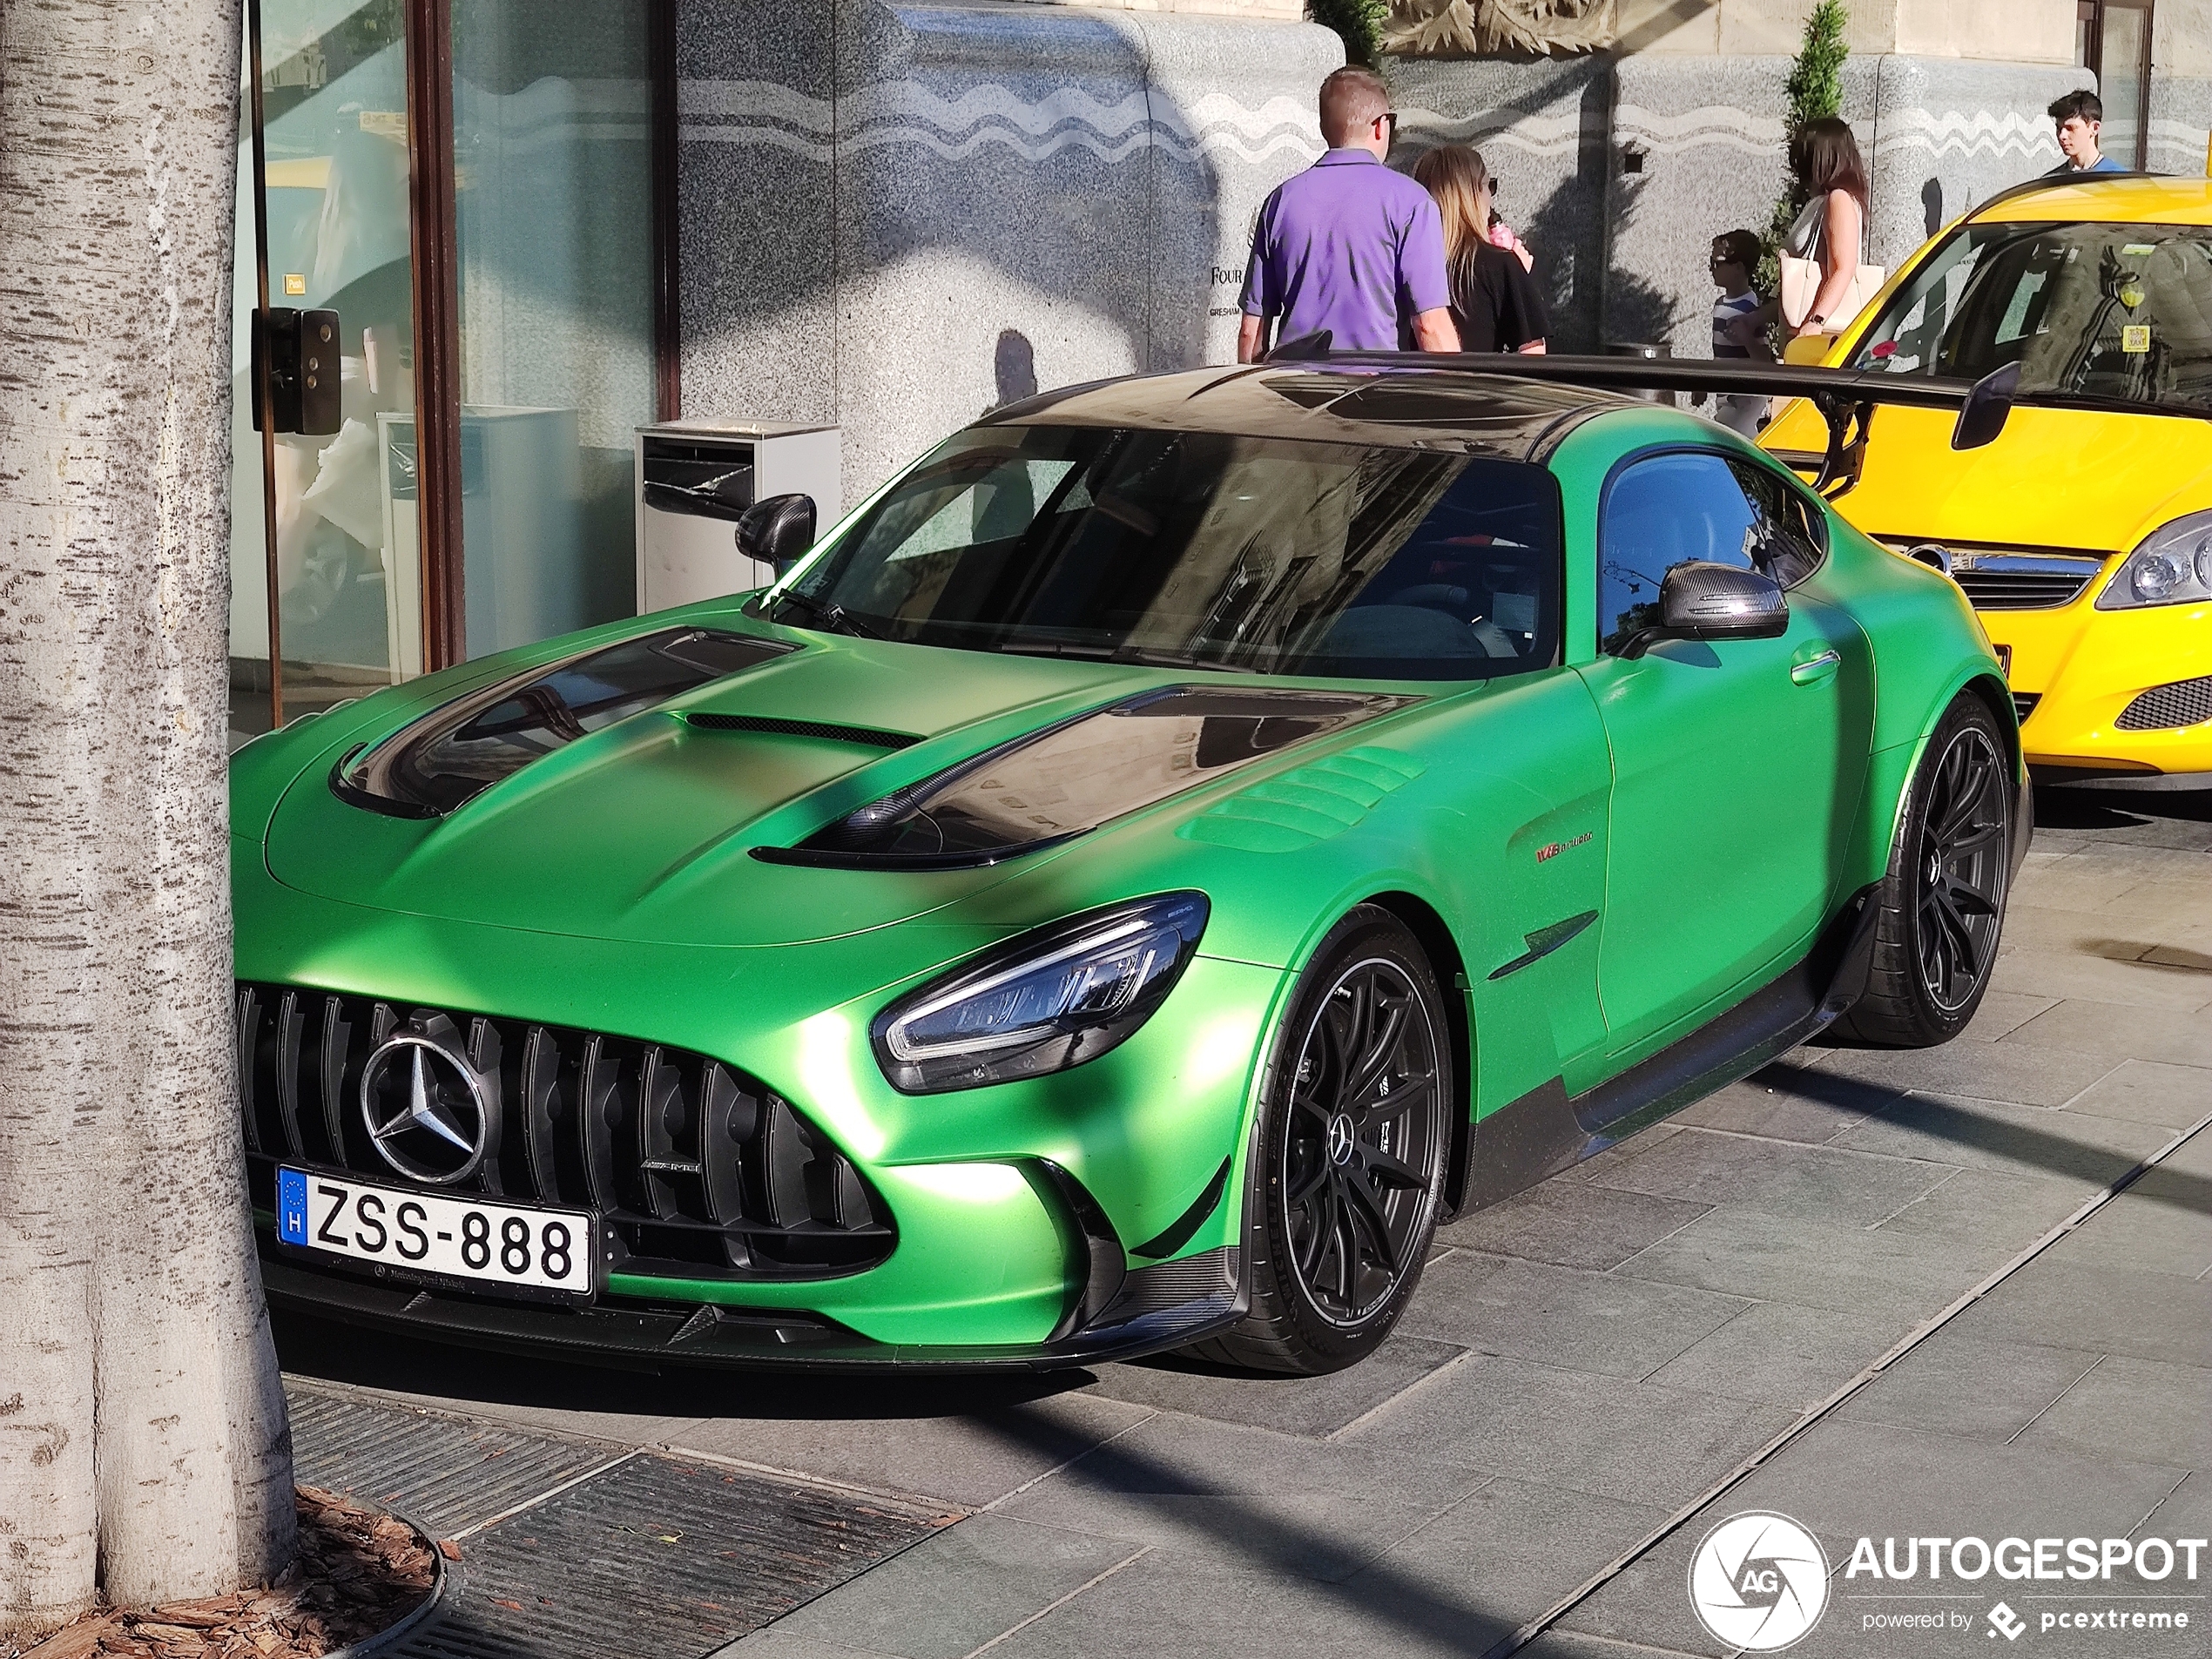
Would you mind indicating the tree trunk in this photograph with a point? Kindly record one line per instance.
(143, 1453)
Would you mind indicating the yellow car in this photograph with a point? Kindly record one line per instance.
(2083, 534)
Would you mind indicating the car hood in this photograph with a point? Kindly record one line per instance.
(643, 830)
(2055, 478)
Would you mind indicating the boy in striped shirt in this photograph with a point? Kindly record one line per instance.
(1739, 320)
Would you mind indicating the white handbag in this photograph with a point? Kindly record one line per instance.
(1801, 281)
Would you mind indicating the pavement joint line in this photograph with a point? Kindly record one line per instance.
(551, 1492)
(1819, 1146)
(2163, 1501)
(1875, 1226)
(920, 1503)
(1674, 1523)
(2062, 1394)
(1671, 1231)
(1068, 1463)
(1142, 1550)
(1411, 1388)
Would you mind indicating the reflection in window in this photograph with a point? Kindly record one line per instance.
(1672, 508)
(1211, 551)
(2106, 313)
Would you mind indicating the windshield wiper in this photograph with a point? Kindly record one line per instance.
(829, 613)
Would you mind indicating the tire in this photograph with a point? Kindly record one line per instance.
(1942, 904)
(1354, 1138)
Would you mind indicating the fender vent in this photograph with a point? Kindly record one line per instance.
(2024, 704)
(2164, 708)
(1307, 804)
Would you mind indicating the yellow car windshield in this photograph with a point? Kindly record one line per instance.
(2097, 315)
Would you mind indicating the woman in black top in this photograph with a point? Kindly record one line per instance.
(1494, 300)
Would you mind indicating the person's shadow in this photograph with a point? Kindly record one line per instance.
(1014, 366)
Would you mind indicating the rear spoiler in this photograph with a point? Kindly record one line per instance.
(1846, 398)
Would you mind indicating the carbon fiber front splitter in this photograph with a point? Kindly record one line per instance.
(1159, 1307)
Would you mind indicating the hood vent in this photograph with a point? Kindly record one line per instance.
(1047, 786)
(821, 731)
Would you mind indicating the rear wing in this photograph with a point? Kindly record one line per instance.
(1846, 398)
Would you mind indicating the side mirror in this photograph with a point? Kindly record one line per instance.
(1808, 348)
(777, 531)
(1989, 404)
(1699, 600)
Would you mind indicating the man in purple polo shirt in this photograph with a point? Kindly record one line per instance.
(1348, 244)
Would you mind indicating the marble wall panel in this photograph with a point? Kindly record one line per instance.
(2180, 123)
(1949, 132)
(993, 188)
(1542, 126)
(1232, 108)
(757, 113)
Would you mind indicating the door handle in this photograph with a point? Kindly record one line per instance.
(1815, 669)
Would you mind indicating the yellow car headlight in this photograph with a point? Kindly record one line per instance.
(2173, 566)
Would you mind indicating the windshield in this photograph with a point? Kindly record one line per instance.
(2098, 312)
(1198, 550)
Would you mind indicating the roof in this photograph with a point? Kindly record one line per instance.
(2125, 198)
(1500, 416)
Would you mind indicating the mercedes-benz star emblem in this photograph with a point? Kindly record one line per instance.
(425, 1109)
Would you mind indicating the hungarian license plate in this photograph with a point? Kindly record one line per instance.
(507, 1246)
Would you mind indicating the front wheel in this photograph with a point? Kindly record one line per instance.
(1354, 1136)
(1942, 903)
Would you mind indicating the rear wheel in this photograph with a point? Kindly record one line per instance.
(1942, 903)
(1355, 1131)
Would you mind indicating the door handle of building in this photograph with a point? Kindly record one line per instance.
(1814, 670)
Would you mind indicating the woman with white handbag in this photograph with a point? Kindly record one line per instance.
(1824, 281)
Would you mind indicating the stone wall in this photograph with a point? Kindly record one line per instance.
(2180, 88)
(1632, 164)
(901, 218)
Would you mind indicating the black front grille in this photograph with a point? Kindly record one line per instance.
(2024, 704)
(2162, 708)
(2021, 589)
(697, 1169)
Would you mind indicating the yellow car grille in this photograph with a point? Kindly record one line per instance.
(2005, 578)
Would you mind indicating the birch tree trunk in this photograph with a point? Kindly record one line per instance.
(144, 1453)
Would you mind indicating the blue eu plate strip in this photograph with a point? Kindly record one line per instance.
(291, 1206)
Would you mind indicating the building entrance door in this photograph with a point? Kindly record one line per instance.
(328, 521)
(469, 186)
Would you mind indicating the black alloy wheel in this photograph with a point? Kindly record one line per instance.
(1354, 1144)
(1942, 904)
(1963, 853)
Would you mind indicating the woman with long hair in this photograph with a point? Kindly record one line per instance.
(1832, 231)
(1494, 300)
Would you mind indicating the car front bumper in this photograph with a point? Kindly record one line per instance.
(2078, 670)
(1022, 1210)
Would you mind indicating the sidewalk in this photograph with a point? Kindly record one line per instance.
(1581, 1365)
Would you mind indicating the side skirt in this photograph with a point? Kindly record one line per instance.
(1544, 1131)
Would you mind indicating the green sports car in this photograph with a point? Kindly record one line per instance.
(1152, 861)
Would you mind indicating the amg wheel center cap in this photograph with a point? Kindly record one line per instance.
(426, 1109)
(1340, 1138)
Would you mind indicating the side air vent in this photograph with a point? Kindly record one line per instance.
(822, 731)
(2165, 708)
(698, 1169)
(2024, 704)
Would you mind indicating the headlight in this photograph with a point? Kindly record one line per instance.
(1045, 1002)
(2172, 567)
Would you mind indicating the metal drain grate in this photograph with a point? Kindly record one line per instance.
(657, 1558)
(447, 1474)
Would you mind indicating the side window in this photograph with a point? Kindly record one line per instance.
(1788, 538)
(1658, 514)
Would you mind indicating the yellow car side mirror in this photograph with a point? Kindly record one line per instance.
(1808, 348)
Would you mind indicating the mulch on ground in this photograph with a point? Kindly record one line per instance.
(360, 1571)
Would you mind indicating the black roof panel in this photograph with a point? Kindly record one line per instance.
(1485, 413)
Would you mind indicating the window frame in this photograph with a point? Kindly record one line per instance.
(1793, 488)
